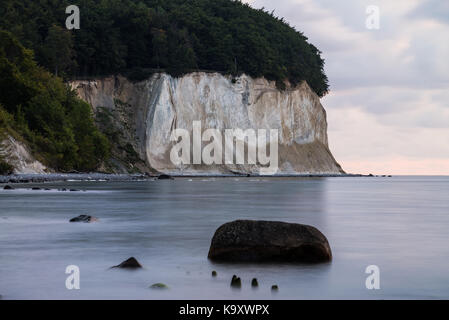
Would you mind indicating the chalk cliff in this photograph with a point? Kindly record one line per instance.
(17, 154)
(140, 117)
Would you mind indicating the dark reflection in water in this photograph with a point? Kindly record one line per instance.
(399, 224)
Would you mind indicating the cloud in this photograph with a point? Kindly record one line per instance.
(433, 10)
(369, 137)
(399, 107)
(389, 96)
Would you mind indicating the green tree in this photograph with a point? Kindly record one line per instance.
(57, 125)
(160, 48)
(58, 50)
(177, 35)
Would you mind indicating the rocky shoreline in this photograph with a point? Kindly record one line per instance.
(58, 177)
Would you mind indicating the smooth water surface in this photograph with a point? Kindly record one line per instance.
(400, 224)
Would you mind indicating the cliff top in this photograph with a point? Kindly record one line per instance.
(131, 36)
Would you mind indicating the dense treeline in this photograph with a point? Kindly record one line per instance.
(131, 36)
(38, 107)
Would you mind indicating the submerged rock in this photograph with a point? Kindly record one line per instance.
(159, 286)
(250, 241)
(274, 287)
(84, 218)
(214, 273)
(254, 283)
(130, 263)
(236, 282)
(7, 187)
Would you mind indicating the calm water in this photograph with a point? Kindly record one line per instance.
(400, 224)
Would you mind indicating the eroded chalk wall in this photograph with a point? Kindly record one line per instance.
(148, 111)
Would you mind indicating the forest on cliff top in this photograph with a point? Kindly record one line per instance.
(38, 108)
(134, 37)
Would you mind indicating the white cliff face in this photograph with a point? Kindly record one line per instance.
(19, 156)
(152, 109)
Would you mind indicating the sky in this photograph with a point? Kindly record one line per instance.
(388, 106)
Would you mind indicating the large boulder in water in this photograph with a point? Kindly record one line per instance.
(257, 241)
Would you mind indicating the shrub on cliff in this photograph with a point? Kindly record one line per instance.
(5, 168)
(177, 36)
(57, 125)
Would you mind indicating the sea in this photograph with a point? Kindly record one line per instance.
(397, 226)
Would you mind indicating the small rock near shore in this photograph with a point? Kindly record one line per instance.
(214, 273)
(254, 283)
(268, 241)
(236, 282)
(130, 263)
(164, 177)
(274, 287)
(159, 286)
(84, 218)
(7, 187)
